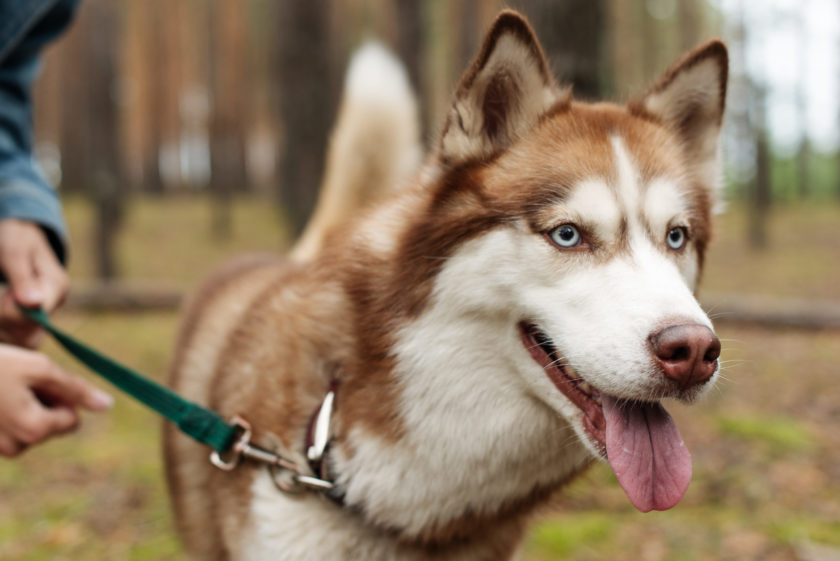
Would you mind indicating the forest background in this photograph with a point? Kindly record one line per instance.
(181, 132)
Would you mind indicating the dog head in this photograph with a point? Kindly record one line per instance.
(587, 226)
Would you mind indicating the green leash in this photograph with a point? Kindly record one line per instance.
(194, 420)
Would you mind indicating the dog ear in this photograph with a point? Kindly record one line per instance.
(501, 96)
(689, 99)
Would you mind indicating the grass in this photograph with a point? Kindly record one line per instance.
(97, 494)
(782, 435)
(565, 535)
(170, 240)
(765, 444)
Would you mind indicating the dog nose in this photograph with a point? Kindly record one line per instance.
(687, 353)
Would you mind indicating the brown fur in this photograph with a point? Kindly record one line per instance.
(228, 283)
(712, 49)
(266, 339)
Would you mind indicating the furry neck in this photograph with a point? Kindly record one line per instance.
(459, 445)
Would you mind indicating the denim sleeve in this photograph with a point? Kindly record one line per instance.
(24, 191)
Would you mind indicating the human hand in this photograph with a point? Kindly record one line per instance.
(39, 400)
(35, 279)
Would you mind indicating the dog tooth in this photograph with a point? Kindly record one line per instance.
(585, 387)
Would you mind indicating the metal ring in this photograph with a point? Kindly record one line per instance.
(285, 479)
(314, 483)
(236, 450)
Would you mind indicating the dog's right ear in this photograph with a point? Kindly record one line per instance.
(502, 95)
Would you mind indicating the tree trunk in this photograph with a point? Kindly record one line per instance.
(307, 104)
(571, 33)
(228, 120)
(803, 166)
(803, 153)
(105, 177)
(76, 120)
(754, 125)
(411, 51)
(152, 181)
(759, 200)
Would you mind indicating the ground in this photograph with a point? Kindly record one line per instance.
(765, 444)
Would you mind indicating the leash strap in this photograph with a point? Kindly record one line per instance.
(194, 420)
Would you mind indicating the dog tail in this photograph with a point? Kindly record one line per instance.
(374, 147)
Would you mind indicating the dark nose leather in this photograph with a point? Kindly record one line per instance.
(687, 353)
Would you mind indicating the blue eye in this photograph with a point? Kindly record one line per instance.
(565, 236)
(676, 238)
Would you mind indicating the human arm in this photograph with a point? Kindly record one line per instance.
(37, 398)
(32, 231)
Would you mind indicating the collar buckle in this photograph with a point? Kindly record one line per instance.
(321, 430)
(286, 474)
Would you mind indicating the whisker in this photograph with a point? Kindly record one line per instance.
(725, 379)
(728, 340)
(718, 315)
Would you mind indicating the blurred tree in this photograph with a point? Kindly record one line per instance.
(89, 123)
(758, 193)
(837, 153)
(572, 34)
(104, 175)
(411, 48)
(153, 74)
(803, 153)
(261, 140)
(228, 117)
(650, 39)
(468, 29)
(759, 199)
(166, 72)
(75, 122)
(306, 101)
(441, 71)
(626, 48)
(134, 124)
(690, 23)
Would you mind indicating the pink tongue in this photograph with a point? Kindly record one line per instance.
(647, 454)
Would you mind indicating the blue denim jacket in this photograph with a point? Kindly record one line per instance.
(25, 27)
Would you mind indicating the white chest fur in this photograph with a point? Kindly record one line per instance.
(477, 438)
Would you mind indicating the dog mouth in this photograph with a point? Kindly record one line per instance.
(638, 439)
(577, 390)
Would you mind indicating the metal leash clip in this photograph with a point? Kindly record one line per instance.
(285, 473)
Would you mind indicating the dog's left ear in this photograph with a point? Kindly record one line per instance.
(689, 99)
(501, 96)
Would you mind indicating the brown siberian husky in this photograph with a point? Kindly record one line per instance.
(515, 309)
